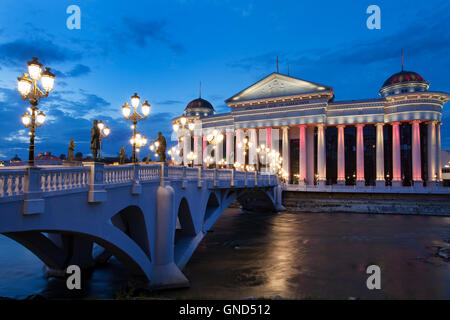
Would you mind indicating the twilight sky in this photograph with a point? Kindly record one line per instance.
(163, 49)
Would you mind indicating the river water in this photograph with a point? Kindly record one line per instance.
(291, 255)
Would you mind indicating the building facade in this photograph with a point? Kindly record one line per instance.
(392, 140)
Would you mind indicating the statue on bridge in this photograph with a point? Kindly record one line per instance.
(160, 144)
(95, 140)
(122, 155)
(71, 150)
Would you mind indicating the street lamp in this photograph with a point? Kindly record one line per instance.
(183, 125)
(135, 117)
(104, 132)
(28, 88)
(191, 156)
(138, 141)
(245, 145)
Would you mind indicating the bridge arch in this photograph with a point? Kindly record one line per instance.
(58, 257)
(212, 206)
(131, 221)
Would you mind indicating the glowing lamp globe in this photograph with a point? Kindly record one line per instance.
(126, 110)
(48, 80)
(106, 131)
(24, 85)
(135, 100)
(100, 125)
(26, 119)
(40, 118)
(146, 108)
(34, 68)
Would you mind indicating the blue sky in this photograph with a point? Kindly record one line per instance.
(163, 49)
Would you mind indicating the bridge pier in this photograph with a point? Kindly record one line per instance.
(76, 250)
(166, 273)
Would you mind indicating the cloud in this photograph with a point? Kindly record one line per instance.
(77, 71)
(143, 33)
(170, 102)
(423, 38)
(14, 53)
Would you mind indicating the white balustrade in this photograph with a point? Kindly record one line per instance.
(12, 182)
(118, 174)
(149, 172)
(58, 178)
(176, 172)
(63, 178)
(191, 173)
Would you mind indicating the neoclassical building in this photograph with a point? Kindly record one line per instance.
(392, 140)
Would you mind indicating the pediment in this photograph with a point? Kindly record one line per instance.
(277, 85)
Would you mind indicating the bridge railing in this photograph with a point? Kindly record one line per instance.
(35, 182)
(12, 182)
(63, 178)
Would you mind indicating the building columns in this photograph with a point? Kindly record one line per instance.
(302, 155)
(269, 137)
(229, 158)
(253, 143)
(438, 153)
(239, 151)
(380, 182)
(197, 151)
(285, 151)
(431, 151)
(396, 156)
(186, 149)
(321, 156)
(204, 146)
(416, 163)
(310, 155)
(341, 155)
(218, 152)
(360, 180)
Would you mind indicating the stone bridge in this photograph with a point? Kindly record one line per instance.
(150, 217)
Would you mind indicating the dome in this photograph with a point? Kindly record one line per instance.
(403, 82)
(199, 107)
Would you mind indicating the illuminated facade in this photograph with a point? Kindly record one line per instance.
(392, 140)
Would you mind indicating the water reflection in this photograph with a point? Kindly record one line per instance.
(293, 255)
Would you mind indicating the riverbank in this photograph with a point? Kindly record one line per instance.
(382, 203)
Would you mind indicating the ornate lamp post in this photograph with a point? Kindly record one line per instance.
(135, 116)
(191, 157)
(104, 132)
(246, 145)
(138, 141)
(183, 125)
(28, 88)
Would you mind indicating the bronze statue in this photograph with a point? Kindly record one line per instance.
(71, 150)
(161, 147)
(95, 140)
(122, 155)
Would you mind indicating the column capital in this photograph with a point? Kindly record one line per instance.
(320, 125)
(395, 123)
(360, 125)
(285, 127)
(341, 126)
(303, 125)
(378, 124)
(416, 121)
